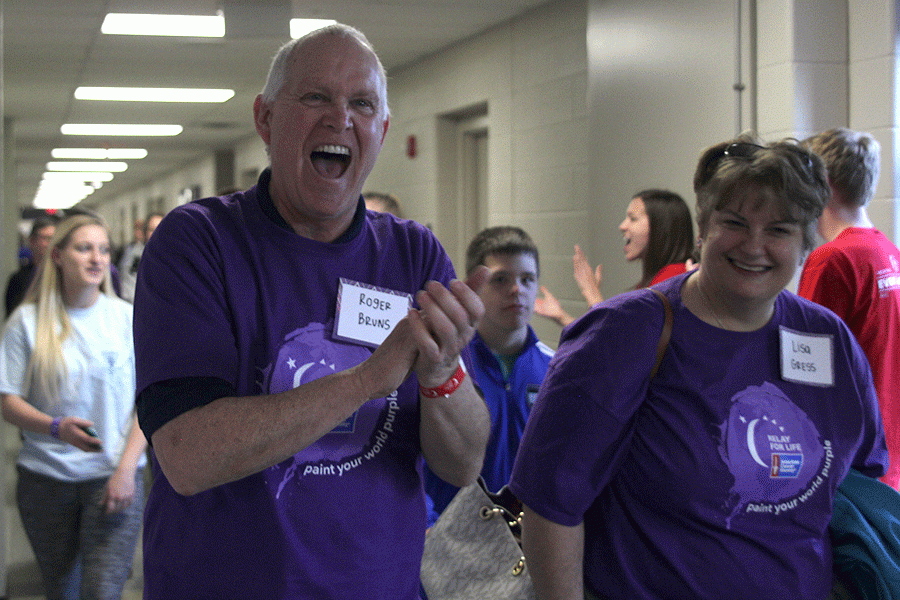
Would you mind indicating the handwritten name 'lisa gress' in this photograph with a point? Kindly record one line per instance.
(801, 365)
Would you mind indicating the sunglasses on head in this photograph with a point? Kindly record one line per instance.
(746, 151)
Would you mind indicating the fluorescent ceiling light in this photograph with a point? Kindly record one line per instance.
(112, 167)
(73, 189)
(99, 153)
(170, 25)
(300, 27)
(82, 176)
(139, 94)
(60, 196)
(111, 129)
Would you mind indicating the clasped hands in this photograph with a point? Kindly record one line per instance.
(428, 341)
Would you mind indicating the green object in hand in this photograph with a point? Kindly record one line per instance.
(93, 433)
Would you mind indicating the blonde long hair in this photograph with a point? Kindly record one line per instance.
(46, 367)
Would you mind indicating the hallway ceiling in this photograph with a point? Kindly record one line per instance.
(51, 47)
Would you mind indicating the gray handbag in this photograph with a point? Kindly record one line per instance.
(473, 551)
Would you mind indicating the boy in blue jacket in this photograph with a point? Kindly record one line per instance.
(506, 359)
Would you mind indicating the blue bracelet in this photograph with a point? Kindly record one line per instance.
(54, 427)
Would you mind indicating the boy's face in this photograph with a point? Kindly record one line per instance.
(510, 291)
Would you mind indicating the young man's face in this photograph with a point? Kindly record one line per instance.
(509, 293)
(40, 241)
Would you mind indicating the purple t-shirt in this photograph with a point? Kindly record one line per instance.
(224, 292)
(717, 481)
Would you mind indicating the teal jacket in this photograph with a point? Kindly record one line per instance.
(865, 535)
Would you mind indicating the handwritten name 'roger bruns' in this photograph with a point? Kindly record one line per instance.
(377, 305)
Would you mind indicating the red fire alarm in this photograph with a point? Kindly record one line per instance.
(411, 146)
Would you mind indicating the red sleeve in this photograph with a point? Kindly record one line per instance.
(668, 271)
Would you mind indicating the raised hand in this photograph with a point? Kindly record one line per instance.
(588, 279)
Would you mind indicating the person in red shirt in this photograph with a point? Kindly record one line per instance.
(657, 230)
(856, 273)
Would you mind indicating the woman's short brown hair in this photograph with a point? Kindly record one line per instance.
(792, 174)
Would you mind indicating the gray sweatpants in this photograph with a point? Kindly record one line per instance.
(82, 552)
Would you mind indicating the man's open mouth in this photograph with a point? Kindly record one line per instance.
(331, 160)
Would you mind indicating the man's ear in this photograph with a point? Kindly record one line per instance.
(262, 118)
(387, 123)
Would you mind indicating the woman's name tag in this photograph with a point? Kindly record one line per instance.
(807, 357)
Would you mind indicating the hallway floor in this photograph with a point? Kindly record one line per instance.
(23, 581)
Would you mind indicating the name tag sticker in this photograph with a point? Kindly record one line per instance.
(807, 357)
(366, 313)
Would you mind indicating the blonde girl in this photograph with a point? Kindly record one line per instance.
(67, 380)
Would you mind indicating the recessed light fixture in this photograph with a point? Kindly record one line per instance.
(99, 153)
(119, 129)
(300, 27)
(110, 166)
(168, 25)
(140, 94)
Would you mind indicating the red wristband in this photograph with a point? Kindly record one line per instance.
(448, 387)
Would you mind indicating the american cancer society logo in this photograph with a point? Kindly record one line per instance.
(786, 465)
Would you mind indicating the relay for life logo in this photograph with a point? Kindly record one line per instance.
(306, 355)
(773, 451)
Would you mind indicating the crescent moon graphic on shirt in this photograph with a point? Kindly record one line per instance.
(751, 443)
(298, 374)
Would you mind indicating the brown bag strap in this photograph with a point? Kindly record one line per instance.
(666, 331)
